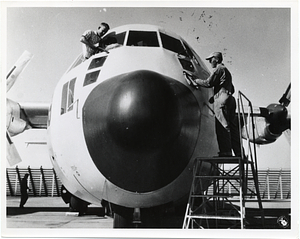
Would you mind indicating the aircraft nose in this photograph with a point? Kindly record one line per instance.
(141, 129)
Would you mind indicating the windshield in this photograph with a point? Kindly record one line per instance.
(142, 38)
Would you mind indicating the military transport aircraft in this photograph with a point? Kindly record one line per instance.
(125, 125)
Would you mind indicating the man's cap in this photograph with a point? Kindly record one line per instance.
(215, 54)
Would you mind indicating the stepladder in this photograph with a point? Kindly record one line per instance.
(219, 191)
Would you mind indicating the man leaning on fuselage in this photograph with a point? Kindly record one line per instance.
(92, 40)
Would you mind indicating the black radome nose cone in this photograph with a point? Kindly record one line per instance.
(141, 129)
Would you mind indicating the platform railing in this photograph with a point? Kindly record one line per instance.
(273, 183)
(41, 182)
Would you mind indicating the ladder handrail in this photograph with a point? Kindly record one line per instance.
(241, 112)
(253, 155)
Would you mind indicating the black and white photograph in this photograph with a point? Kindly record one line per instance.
(150, 119)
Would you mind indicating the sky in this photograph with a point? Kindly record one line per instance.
(256, 43)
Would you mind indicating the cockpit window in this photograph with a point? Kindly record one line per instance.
(77, 62)
(97, 62)
(71, 94)
(113, 38)
(186, 64)
(64, 98)
(91, 78)
(67, 97)
(142, 38)
(189, 51)
(172, 44)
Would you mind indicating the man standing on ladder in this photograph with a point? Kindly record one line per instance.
(224, 105)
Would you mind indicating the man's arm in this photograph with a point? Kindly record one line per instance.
(208, 83)
(84, 41)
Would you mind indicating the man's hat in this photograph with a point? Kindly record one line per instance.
(217, 55)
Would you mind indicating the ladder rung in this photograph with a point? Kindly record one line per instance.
(220, 159)
(216, 195)
(227, 194)
(223, 177)
(220, 177)
(224, 160)
(204, 216)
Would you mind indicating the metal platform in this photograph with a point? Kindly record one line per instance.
(214, 208)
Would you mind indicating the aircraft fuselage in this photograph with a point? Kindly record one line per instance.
(125, 126)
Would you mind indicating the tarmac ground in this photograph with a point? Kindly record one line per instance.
(52, 212)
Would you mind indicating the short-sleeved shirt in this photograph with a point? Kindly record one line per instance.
(93, 38)
(220, 78)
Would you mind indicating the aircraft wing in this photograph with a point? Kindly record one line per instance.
(256, 111)
(36, 114)
(22, 116)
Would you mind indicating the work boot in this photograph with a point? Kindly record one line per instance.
(225, 154)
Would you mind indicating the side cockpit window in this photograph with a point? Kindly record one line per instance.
(172, 44)
(184, 54)
(92, 77)
(97, 62)
(71, 95)
(64, 98)
(142, 38)
(199, 65)
(113, 38)
(67, 98)
(77, 62)
(186, 64)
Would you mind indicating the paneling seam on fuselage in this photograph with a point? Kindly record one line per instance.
(85, 188)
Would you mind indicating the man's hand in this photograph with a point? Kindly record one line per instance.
(100, 49)
(190, 80)
(187, 74)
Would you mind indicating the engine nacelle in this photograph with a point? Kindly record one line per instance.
(14, 124)
(262, 133)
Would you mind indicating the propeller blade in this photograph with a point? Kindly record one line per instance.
(14, 123)
(12, 154)
(17, 69)
(286, 98)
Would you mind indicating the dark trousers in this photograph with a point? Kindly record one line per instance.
(24, 197)
(228, 137)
